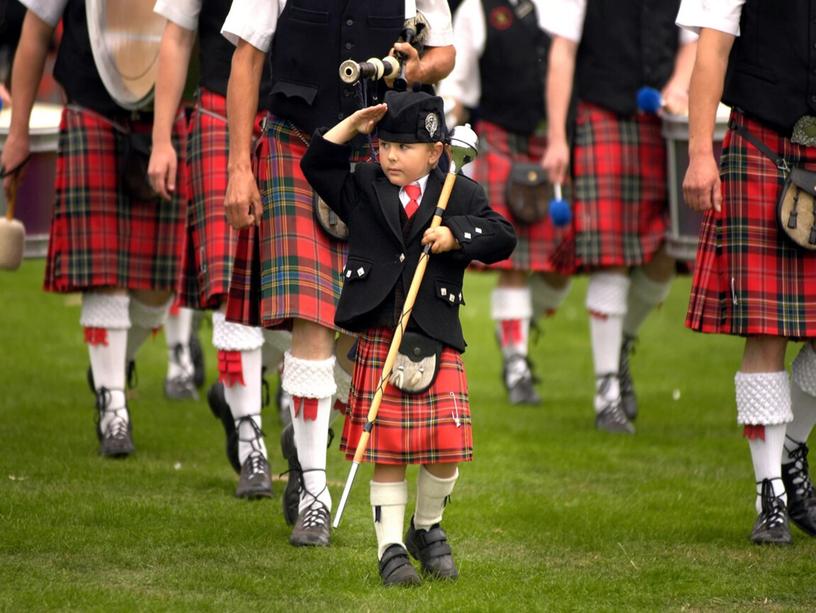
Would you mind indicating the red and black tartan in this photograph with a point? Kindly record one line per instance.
(211, 241)
(427, 428)
(536, 242)
(100, 237)
(749, 278)
(620, 199)
(288, 268)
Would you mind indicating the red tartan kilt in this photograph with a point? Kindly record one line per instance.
(211, 241)
(620, 202)
(288, 268)
(749, 278)
(100, 237)
(536, 242)
(410, 428)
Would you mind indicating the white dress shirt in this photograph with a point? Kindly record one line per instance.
(49, 11)
(722, 15)
(565, 18)
(183, 13)
(255, 21)
(470, 36)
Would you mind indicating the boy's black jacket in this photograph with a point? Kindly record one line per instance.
(369, 204)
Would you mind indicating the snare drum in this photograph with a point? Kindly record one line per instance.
(684, 223)
(35, 194)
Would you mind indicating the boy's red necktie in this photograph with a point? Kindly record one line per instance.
(413, 191)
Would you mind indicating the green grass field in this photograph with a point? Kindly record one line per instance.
(551, 515)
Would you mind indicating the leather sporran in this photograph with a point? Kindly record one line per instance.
(135, 159)
(796, 208)
(328, 220)
(417, 363)
(528, 193)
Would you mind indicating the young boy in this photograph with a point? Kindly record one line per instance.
(388, 208)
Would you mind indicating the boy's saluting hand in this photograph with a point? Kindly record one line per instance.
(359, 122)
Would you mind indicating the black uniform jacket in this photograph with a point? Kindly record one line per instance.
(379, 257)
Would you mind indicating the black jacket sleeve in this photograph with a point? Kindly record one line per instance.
(327, 168)
(483, 234)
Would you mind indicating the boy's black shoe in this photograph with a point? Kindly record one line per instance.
(433, 551)
(771, 527)
(629, 403)
(221, 410)
(291, 495)
(801, 498)
(396, 568)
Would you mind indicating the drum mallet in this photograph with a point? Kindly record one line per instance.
(12, 233)
(463, 149)
(560, 212)
(649, 100)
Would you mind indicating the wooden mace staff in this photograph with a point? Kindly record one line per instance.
(463, 149)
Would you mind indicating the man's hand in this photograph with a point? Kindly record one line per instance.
(675, 99)
(162, 169)
(243, 200)
(414, 71)
(701, 186)
(15, 152)
(440, 239)
(556, 160)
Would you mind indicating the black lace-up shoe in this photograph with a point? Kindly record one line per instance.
(313, 527)
(116, 441)
(518, 378)
(220, 409)
(771, 526)
(396, 568)
(433, 551)
(255, 481)
(612, 419)
(629, 403)
(799, 488)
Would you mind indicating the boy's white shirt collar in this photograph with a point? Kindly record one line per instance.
(422, 181)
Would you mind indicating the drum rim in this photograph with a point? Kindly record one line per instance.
(121, 95)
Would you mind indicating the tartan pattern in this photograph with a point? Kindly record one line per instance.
(288, 268)
(536, 242)
(620, 208)
(749, 278)
(99, 236)
(211, 241)
(410, 428)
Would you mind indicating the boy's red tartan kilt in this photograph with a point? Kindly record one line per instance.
(288, 268)
(620, 199)
(100, 237)
(410, 428)
(211, 241)
(536, 242)
(749, 278)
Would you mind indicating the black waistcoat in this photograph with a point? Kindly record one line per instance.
(772, 69)
(215, 51)
(512, 68)
(75, 69)
(311, 40)
(626, 44)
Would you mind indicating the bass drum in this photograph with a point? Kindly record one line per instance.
(125, 38)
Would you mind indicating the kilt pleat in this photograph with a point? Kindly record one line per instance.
(537, 242)
(749, 278)
(100, 237)
(620, 208)
(211, 241)
(299, 274)
(427, 428)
